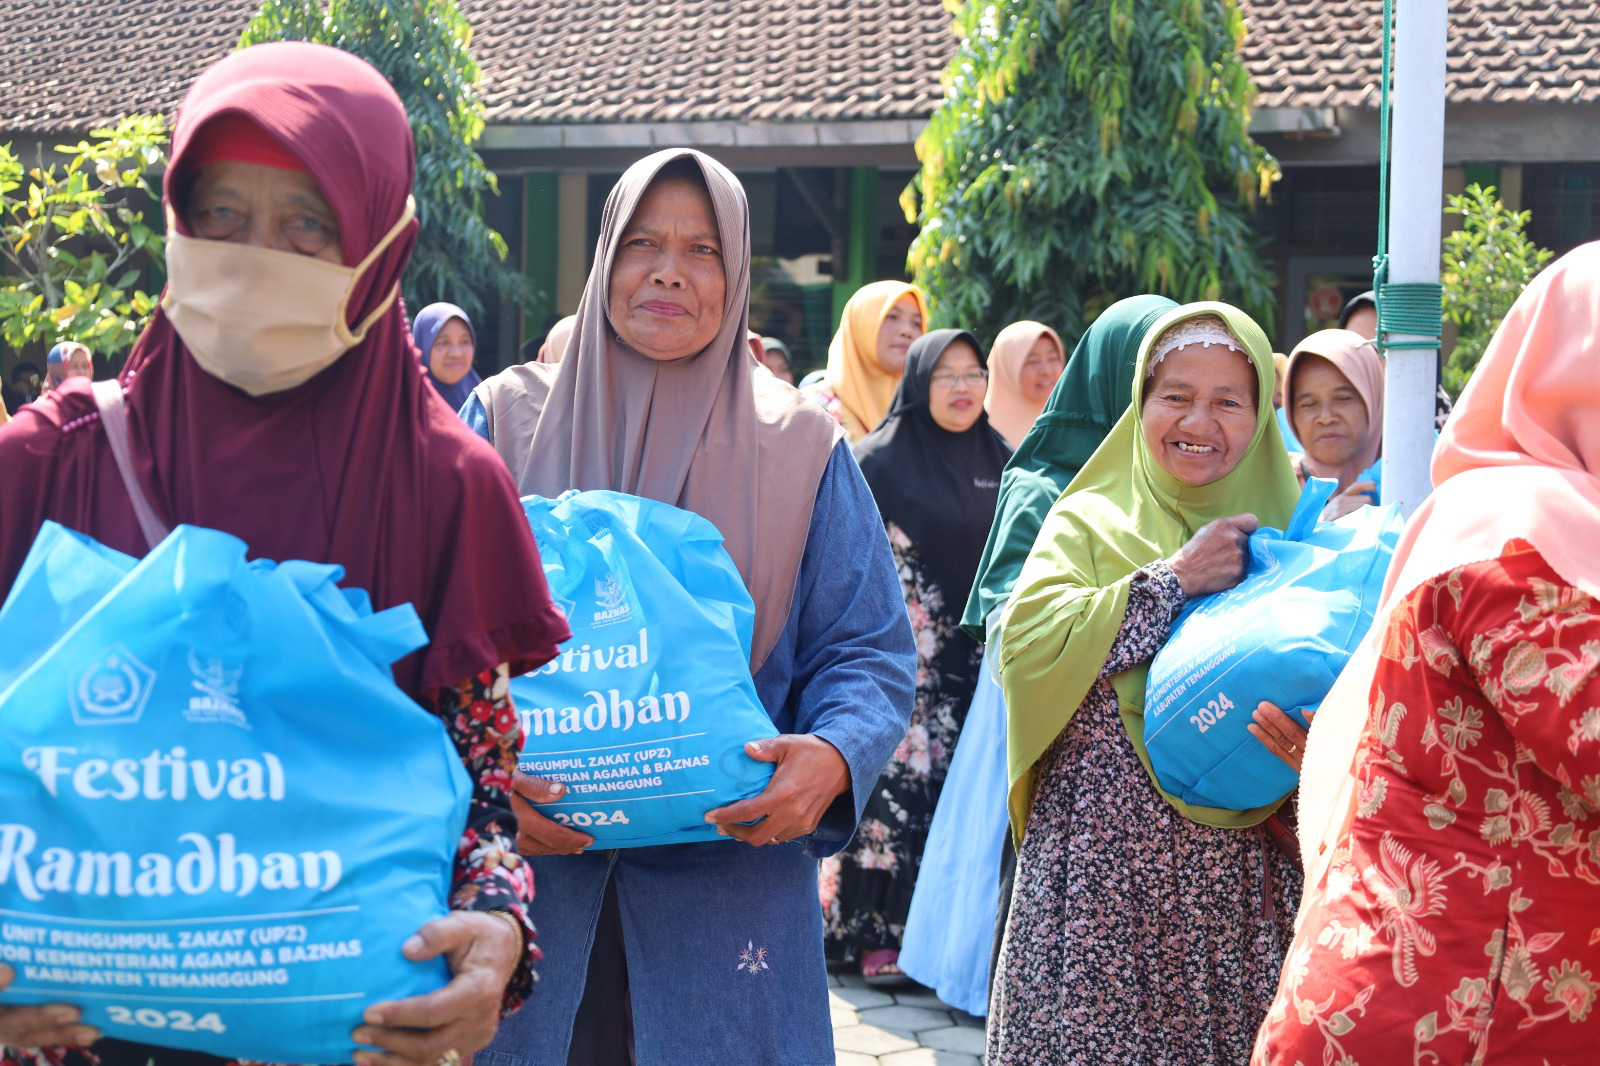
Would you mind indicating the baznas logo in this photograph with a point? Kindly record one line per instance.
(112, 690)
(608, 591)
(611, 596)
(218, 686)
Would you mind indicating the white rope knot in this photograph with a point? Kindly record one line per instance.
(1201, 330)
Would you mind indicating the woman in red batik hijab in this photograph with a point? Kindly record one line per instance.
(288, 408)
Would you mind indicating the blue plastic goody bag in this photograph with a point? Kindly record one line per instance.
(1281, 635)
(645, 713)
(219, 816)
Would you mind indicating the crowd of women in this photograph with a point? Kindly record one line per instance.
(962, 559)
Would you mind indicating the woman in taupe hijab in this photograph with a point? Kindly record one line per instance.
(658, 397)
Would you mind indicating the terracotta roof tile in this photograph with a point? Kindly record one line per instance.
(78, 65)
(548, 62)
(1501, 51)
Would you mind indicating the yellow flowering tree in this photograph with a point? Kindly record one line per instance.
(1086, 152)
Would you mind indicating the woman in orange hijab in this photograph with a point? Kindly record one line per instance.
(1452, 778)
(868, 354)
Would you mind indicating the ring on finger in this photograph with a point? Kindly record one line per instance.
(451, 1057)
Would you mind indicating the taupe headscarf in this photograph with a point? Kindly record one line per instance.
(706, 432)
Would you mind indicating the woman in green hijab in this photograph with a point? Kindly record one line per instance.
(1084, 406)
(1141, 930)
(952, 936)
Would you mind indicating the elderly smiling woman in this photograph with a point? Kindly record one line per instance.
(707, 952)
(1141, 929)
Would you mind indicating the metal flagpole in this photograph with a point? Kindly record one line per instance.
(1416, 204)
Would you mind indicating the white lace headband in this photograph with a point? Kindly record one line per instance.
(1203, 330)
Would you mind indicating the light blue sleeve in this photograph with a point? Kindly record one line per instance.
(475, 416)
(1284, 427)
(854, 658)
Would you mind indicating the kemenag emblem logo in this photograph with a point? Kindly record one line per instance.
(112, 689)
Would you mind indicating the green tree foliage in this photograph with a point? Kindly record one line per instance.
(1086, 152)
(1487, 264)
(73, 239)
(422, 47)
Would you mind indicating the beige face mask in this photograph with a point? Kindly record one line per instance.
(264, 320)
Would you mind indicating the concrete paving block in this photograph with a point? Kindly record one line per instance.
(907, 1019)
(862, 998)
(870, 1040)
(918, 1057)
(850, 1058)
(843, 1016)
(971, 1021)
(956, 1038)
(917, 996)
(929, 1057)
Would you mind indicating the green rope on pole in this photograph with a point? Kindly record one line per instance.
(1414, 308)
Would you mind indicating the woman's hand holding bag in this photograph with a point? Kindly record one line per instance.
(811, 774)
(536, 834)
(49, 1025)
(1281, 734)
(1215, 557)
(461, 1017)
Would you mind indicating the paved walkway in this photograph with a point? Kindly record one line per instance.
(907, 1026)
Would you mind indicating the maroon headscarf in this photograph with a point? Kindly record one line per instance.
(363, 465)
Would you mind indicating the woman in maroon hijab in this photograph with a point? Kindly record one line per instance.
(276, 396)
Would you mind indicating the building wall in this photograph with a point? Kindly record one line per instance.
(826, 216)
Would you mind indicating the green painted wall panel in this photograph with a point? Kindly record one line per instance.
(861, 245)
(541, 213)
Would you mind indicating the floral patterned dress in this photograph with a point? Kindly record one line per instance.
(1135, 935)
(1461, 923)
(489, 875)
(866, 888)
(824, 395)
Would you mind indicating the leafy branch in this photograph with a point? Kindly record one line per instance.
(73, 240)
(1088, 152)
(1487, 264)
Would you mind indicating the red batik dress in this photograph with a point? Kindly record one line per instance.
(1461, 922)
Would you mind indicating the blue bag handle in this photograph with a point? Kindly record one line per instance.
(1313, 498)
(62, 579)
(383, 636)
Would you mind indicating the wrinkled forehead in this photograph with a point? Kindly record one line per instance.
(722, 190)
(679, 189)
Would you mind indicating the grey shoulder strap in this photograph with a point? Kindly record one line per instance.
(114, 416)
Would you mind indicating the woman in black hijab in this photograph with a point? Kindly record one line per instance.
(934, 469)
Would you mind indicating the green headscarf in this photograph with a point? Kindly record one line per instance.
(1122, 512)
(1084, 405)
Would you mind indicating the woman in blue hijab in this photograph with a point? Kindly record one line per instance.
(447, 342)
